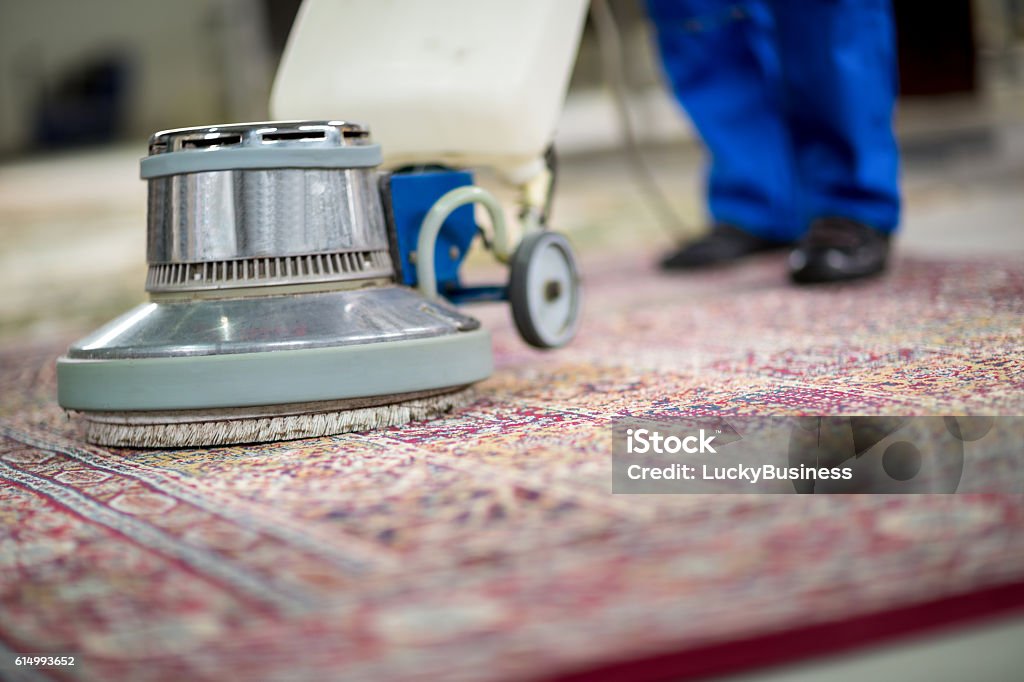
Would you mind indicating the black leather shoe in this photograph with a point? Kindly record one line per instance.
(723, 244)
(838, 249)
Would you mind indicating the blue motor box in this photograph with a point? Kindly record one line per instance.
(408, 196)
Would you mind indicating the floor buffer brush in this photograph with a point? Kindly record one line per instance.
(279, 307)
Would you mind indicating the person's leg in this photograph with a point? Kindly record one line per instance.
(839, 81)
(720, 60)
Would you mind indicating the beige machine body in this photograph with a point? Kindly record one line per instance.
(461, 82)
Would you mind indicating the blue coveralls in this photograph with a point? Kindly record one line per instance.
(794, 101)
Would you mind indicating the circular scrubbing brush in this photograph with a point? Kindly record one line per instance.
(274, 312)
(193, 428)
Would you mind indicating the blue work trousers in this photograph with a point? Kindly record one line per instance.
(794, 100)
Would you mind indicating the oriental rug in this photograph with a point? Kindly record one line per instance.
(487, 546)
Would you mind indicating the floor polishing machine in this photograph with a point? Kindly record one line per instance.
(303, 280)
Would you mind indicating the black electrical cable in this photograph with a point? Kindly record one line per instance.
(612, 67)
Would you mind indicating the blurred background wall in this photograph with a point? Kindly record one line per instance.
(74, 73)
(103, 70)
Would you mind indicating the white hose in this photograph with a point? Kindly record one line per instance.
(426, 278)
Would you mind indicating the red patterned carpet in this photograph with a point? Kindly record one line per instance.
(486, 546)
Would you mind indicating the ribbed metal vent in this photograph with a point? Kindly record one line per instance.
(242, 206)
(254, 272)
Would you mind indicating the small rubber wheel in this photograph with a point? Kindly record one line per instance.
(544, 290)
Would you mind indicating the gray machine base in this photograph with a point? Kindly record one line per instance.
(275, 377)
